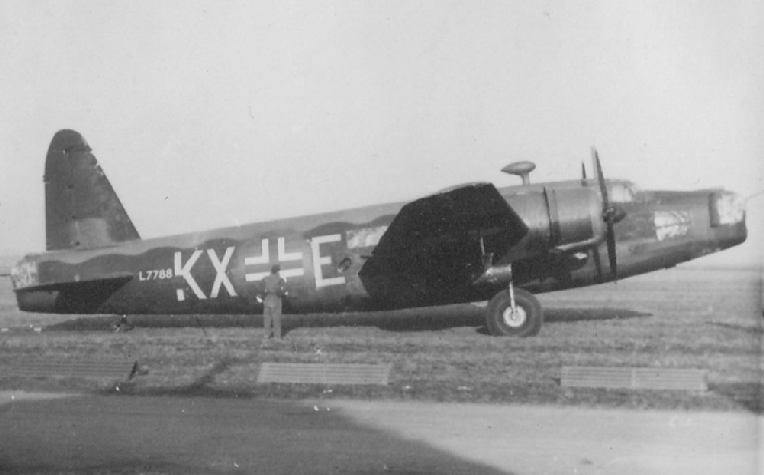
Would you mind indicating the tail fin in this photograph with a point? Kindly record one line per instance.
(81, 208)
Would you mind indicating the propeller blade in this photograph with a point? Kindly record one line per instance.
(597, 262)
(600, 179)
(583, 174)
(611, 251)
(609, 213)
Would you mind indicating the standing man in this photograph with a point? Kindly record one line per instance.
(273, 287)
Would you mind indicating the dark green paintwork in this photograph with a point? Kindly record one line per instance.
(552, 233)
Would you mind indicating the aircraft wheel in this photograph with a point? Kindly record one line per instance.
(525, 321)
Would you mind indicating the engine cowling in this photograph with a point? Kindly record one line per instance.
(578, 218)
(566, 219)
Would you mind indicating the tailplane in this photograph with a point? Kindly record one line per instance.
(81, 208)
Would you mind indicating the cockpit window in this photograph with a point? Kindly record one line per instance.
(622, 192)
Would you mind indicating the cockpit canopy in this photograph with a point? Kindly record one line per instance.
(622, 191)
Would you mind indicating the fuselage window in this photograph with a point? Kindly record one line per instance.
(344, 264)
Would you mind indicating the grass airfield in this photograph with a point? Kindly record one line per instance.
(680, 318)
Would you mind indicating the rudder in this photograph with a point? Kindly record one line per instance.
(81, 208)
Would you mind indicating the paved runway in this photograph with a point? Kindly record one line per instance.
(557, 440)
(44, 433)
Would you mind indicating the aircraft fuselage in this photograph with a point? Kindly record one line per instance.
(219, 271)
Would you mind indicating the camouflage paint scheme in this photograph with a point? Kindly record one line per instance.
(450, 247)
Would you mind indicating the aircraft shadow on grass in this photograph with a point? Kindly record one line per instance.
(419, 320)
(436, 319)
(750, 395)
(751, 330)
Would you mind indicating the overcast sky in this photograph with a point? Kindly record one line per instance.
(206, 114)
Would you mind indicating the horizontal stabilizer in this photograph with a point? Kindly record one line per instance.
(113, 278)
(74, 296)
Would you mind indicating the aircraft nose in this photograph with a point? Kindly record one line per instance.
(24, 273)
(727, 211)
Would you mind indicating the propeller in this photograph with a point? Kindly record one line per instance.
(610, 214)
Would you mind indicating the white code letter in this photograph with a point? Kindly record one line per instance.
(185, 272)
(318, 261)
(220, 268)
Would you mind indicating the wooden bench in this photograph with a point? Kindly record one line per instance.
(92, 368)
(634, 378)
(324, 373)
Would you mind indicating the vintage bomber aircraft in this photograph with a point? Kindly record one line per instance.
(469, 243)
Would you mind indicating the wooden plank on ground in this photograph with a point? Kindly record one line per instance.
(324, 373)
(634, 378)
(91, 368)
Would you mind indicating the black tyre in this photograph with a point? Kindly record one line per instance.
(526, 321)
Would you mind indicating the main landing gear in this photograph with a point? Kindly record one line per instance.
(514, 312)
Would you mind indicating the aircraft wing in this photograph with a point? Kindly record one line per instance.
(434, 248)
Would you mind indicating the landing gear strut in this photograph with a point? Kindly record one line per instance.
(514, 312)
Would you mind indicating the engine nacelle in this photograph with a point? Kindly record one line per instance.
(565, 219)
(579, 218)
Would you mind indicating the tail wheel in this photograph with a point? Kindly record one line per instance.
(524, 321)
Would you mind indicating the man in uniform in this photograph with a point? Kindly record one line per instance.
(273, 288)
